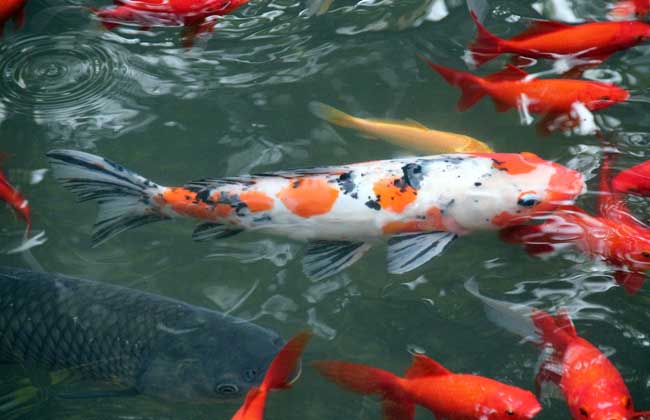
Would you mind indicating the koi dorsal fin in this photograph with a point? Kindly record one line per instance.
(563, 322)
(509, 73)
(424, 366)
(538, 27)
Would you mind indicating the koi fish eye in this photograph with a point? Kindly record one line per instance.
(510, 412)
(528, 199)
(645, 254)
(605, 98)
(627, 402)
(584, 412)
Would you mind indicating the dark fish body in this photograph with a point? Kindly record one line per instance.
(159, 346)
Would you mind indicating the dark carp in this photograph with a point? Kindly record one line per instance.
(155, 345)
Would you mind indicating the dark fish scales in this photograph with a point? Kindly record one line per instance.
(158, 346)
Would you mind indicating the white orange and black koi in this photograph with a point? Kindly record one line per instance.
(421, 204)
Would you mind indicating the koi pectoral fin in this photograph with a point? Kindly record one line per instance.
(213, 231)
(631, 282)
(409, 251)
(398, 410)
(326, 258)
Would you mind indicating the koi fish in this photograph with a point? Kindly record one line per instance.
(12, 9)
(411, 135)
(630, 8)
(615, 235)
(591, 385)
(548, 39)
(278, 376)
(421, 204)
(514, 88)
(197, 16)
(427, 383)
(15, 199)
(635, 180)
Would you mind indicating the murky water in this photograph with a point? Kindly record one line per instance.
(237, 103)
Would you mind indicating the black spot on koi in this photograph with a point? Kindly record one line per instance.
(346, 184)
(374, 204)
(413, 176)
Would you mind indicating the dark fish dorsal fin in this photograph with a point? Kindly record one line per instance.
(563, 322)
(424, 366)
(509, 73)
(537, 27)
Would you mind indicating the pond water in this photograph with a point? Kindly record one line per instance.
(237, 103)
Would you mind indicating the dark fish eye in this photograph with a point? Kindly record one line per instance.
(528, 200)
(227, 389)
(645, 254)
(510, 412)
(584, 412)
(605, 98)
(250, 375)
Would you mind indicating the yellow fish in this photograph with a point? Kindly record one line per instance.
(408, 134)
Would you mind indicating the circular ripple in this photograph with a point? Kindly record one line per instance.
(60, 76)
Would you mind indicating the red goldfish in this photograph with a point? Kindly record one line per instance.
(630, 8)
(195, 15)
(12, 9)
(548, 39)
(277, 377)
(447, 395)
(514, 88)
(615, 235)
(635, 180)
(10, 195)
(590, 383)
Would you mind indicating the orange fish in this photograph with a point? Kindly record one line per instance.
(9, 194)
(614, 236)
(635, 180)
(514, 88)
(197, 16)
(591, 385)
(548, 39)
(12, 9)
(427, 383)
(630, 8)
(277, 377)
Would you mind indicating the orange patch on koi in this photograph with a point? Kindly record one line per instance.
(184, 202)
(393, 197)
(256, 201)
(308, 197)
(432, 222)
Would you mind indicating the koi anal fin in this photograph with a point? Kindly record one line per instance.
(326, 258)
(409, 251)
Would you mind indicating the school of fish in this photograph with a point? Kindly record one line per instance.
(415, 205)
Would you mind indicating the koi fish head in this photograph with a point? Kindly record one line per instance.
(532, 187)
(513, 403)
(603, 95)
(606, 402)
(635, 180)
(638, 254)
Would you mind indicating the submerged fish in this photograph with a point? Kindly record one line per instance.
(549, 39)
(635, 180)
(411, 135)
(10, 195)
(12, 9)
(157, 346)
(592, 386)
(630, 8)
(427, 383)
(197, 16)
(514, 88)
(278, 376)
(421, 203)
(614, 235)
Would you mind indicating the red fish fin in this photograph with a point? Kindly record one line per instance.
(641, 415)
(424, 366)
(486, 46)
(19, 17)
(470, 85)
(538, 27)
(563, 322)
(509, 73)
(360, 379)
(631, 282)
(552, 122)
(398, 410)
(549, 331)
(189, 35)
(207, 27)
(550, 373)
(253, 407)
(501, 106)
(285, 362)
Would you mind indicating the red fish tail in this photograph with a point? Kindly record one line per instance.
(253, 407)
(486, 46)
(286, 362)
(470, 85)
(557, 331)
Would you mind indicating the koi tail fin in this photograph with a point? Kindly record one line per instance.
(370, 381)
(126, 199)
(486, 46)
(331, 115)
(470, 85)
(556, 331)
